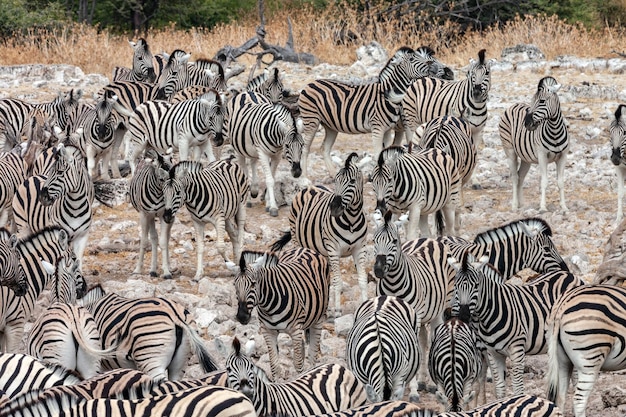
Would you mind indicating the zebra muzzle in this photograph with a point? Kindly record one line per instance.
(336, 206)
(296, 169)
(243, 315)
(168, 216)
(45, 198)
(616, 156)
(218, 140)
(380, 266)
(529, 122)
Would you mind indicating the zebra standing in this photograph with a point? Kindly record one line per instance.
(268, 84)
(323, 389)
(515, 406)
(215, 194)
(13, 171)
(382, 347)
(143, 64)
(536, 134)
(151, 334)
(585, 334)
(430, 97)
(291, 295)
(262, 131)
(510, 319)
(63, 197)
(455, 363)
(12, 275)
(333, 224)
(192, 125)
(371, 107)
(423, 183)
(617, 131)
(418, 273)
(66, 334)
(145, 192)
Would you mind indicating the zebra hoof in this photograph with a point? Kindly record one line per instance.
(153, 274)
(273, 212)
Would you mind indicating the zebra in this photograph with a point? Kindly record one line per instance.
(617, 131)
(66, 334)
(145, 192)
(371, 107)
(178, 74)
(151, 334)
(510, 319)
(63, 197)
(15, 114)
(430, 97)
(422, 183)
(214, 194)
(291, 293)
(516, 406)
(192, 125)
(263, 132)
(455, 363)
(536, 133)
(395, 408)
(20, 373)
(13, 171)
(143, 64)
(382, 348)
(47, 244)
(418, 273)
(12, 274)
(332, 223)
(512, 247)
(585, 333)
(268, 84)
(323, 389)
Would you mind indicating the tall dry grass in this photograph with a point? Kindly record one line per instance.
(99, 51)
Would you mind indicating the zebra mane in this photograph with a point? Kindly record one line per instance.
(265, 76)
(388, 153)
(511, 229)
(212, 65)
(92, 295)
(249, 257)
(185, 167)
(349, 160)
(143, 42)
(618, 112)
(175, 56)
(546, 82)
(481, 56)
(237, 347)
(44, 234)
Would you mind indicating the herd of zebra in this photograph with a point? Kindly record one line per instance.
(443, 309)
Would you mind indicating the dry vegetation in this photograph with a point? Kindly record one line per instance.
(98, 51)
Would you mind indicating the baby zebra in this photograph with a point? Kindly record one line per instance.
(382, 348)
(152, 334)
(324, 389)
(290, 292)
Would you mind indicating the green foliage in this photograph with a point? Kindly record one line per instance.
(20, 15)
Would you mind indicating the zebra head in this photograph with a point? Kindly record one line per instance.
(387, 246)
(382, 177)
(104, 116)
(12, 274)
(292, 148)
(545, 104)
(243, 374)
(479, 74)
(143, 61)
(436, 68)
(213, 115)
(617, 131)
(269, 84)
(173, 195)
(540, 253)
(245, 285)
(348, 194)
(63, 175)
(467, 281)
(67, 283)
(172, 74)
(68, 105)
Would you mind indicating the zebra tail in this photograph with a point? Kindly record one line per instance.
(281, 242)
(208, 363)
(552, 335)
(440, 223)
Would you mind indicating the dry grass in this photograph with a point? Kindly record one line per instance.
(99, 51)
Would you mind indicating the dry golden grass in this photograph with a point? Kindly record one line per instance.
(98, 51)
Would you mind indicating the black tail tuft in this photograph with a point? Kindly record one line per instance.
(281, 242)
(441, 226)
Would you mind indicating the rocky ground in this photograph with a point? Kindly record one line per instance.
(591, 91)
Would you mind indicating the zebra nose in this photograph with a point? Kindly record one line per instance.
(380, 266)
(151, 75)
(381, 205)
(168, 216)
(44, 197)
(243, 316)
(219, 139)
(296, 169)
(160, 95)
(616, 156)
(336, 206)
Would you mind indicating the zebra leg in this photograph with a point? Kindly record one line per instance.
(154, 245)
(105, 160)
(199, 226)
(118, 138)
(297, 340)
(587, 377)
(543, 170)
(620, 193)
(513, 171)
(144, 226)
(271, 340)
(359, 255)
(422, 373)
(497, 363)
(220, 230)
(166, 231)
(235, 237)
(411, 227)
(560, 179)
(91, 162)
(315, 335)
(270, 200)
(336, 283)
(183, 148)
(308, 134)
(79, 243)
(518, 356)
(523, 170)
(327, 146)
(254, 182)
(423, 225)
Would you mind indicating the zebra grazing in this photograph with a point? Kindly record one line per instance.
(323, 389)
(152, 334)
(13, 171)
(382, 347)
(510, 319)
(428, 98)
(66, 334)
(21, 373)
(455, 363)
(418, 273)
(585, 334)
(143, 64)
(512, 247)
(385, 409)
(371, 107)
(291, 293)
(423, 183)
(63, 197)
(178, 74)
(214, 194)
(617, 131)
(515, 406)
(189, 126)
(262, 131)
(193, 402)
(145, 192)
(47, 245)
(536, 134)
(12, 274)
(333, 224)
(15, 114)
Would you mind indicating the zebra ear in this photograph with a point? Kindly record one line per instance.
(402, 220)
(48, 267)
(232, 267)
(299, 125)
(260, 261)
(452, 261)
(554, 88)
(13, 241)
(249, 347)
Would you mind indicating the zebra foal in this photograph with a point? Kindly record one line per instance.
(536, 133)
(617, 132)
(323, 389)
(290, 292)
(382, 348)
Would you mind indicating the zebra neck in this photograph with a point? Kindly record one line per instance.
(554, 134)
